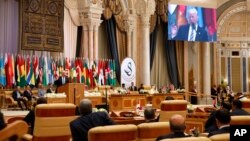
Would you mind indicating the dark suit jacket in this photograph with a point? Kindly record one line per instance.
(239, 112)
(80, 126)
(210, 125)
(172, 135)
(27, 94)
(2, 121)
(182, 34)
(213, 93)
(49, 90)
(134, 88)
(30, 119)
(59, 81)
(220, 131)
(14, 95)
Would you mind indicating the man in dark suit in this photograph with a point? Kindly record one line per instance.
(177, 127)
(211, 124)
(133, 87)
(18, 96)
(30, 117)
(214, 94)
(192, 31)
(2, 121)
(223, 119)
(87, 120)
(237, 109)
(62, 80)
(149, 114)
(50, 88)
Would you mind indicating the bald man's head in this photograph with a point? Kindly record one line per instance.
(85, 107)
(177, 123)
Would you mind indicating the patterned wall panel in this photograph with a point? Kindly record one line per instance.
(244, 74)
(42, 25)
(236, 74)
(223, 69)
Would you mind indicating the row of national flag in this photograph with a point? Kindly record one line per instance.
(31, 70)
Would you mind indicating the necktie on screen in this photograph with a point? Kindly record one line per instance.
(192, 35)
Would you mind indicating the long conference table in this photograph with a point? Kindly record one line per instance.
(118, 102)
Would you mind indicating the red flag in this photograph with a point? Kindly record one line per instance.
(210, 20)
(181, 15)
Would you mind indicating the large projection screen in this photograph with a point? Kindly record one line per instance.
(191, 23)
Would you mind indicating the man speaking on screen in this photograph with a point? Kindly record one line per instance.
(192, 31)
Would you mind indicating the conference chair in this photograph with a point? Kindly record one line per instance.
(10, 102)
(188, 139)
(17, 128)
(240, 120)
(52, 121)
(171, 107)
(246, 105)
(150, 131)
(113, 133)
(220, 137)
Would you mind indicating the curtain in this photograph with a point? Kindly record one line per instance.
(70, 35)
(112, 43)
(171, 61)
(153, 39)
(180, 59)
(9, 26)
(159, 71)
(78, 41)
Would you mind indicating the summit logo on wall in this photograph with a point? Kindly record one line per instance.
(128, 71)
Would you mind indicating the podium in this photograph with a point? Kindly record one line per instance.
(73, 91)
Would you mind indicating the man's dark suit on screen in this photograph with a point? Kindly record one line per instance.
(183, 33)
(80, 126)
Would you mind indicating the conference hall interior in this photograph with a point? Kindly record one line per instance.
(95, 70)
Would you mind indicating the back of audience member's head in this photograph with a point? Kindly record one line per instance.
(169, 98)
(223, 116)
(41, 100)
(237, 104)
(149, 114)
(177, 123)
(85, 107)
(226, 105)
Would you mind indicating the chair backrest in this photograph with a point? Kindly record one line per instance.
(113, 133)
(52, 121)
(18, 128)
(220, 137)
(188, 139)
(9, 101)
(150, 131)
(240, 120)
(246, 105)
(171, 107)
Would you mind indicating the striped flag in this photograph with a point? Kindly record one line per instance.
(29, 71)
(2, 71)
(45, 71)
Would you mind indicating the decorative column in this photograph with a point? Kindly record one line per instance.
(206, 69)
(84, 48)
(145, 50)
(90, 15)
(130, 26)
(91, 53)
(144, 9)
(96, 41)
